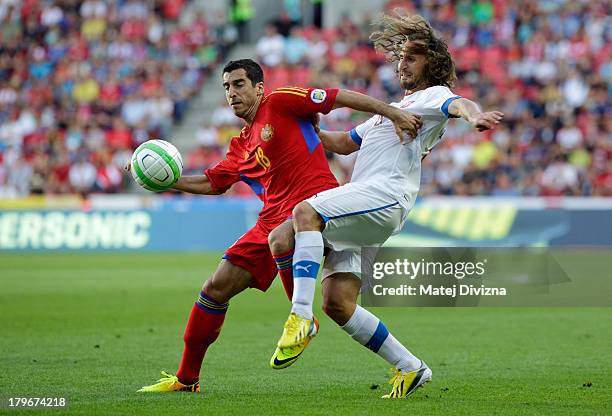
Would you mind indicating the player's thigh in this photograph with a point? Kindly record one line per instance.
(227, 281)
(352, 261)
(357, 215)
(252, 253)
(364, 229)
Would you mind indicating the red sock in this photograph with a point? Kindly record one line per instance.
(284, 263)
(203, 329)
(286, 276)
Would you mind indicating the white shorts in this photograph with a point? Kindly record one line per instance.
(356, 215)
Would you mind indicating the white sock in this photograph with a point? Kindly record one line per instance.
(307, 258)
(365, 328)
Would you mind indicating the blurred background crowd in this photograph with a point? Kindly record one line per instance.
(83, 83)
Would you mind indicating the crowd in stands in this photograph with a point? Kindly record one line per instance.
(545, 63)
(82, 83)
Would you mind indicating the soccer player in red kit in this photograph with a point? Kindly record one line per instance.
(278, 154)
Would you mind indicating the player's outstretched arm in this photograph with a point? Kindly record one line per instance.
(195, 184)
(404, 121)
(471, 112)
(199, 184)
(338, 142)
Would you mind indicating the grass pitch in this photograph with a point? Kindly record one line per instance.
(95, 328)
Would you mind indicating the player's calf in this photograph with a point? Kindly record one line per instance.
(281, 242)
(227, 281)
(340, 292)
(204, 325)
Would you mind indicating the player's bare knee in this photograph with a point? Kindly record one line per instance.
(306, 218)
(336, 309)
(219, 292)
(280, 240)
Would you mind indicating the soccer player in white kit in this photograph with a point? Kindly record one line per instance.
(375, 204)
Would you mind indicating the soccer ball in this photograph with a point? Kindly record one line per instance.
(156, 165)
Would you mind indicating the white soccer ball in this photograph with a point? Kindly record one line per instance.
(156, 165)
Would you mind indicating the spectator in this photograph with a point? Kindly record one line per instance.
(293, 8)
(296, 47)
(317, 51)
(85, 90)
(119, 136)
(271, 47)
(504, 186)
(241, 13)
(19, 176)
(134, 110)
(560, 177)
(108, 177)
(82, 176)
(569, 136)
(207, 136)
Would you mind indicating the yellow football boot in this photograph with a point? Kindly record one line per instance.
(169, 383)
(297, 333)
(404, 384)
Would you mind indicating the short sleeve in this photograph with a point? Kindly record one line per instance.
(439, 98)
(225, 173)
(304, 102)
(359, 132)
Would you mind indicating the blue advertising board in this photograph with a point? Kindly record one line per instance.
(207, 224)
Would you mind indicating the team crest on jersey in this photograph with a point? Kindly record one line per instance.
(267, 132)
(318, 96)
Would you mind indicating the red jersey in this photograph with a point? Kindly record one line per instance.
(280, 155)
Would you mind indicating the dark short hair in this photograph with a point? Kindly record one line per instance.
(252, 69)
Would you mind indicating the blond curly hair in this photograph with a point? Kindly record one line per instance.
(392, 41)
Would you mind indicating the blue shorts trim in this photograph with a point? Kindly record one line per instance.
(349, 214)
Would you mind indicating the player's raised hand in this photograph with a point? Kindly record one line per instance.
(406, 123)
(487, 120)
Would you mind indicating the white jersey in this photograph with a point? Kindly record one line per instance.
(395, 168)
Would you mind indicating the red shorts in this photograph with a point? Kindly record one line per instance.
(252, 253)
